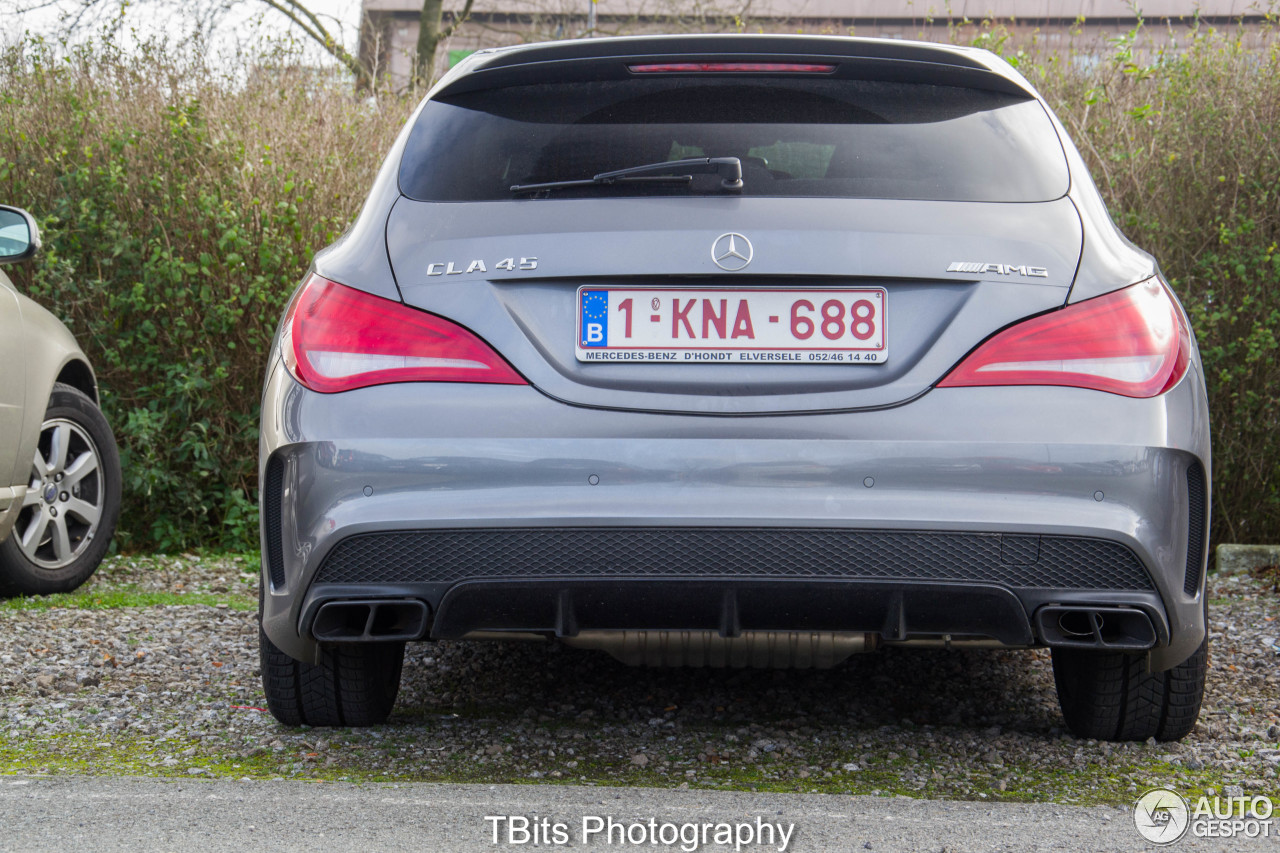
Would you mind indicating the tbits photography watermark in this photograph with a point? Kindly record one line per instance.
(1163, 816)
(519, 830)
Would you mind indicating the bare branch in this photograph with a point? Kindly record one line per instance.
(317, 30)
(48, 4)
(302, 25)
(310, 24)
(458, 20)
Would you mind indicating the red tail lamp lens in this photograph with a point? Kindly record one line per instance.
(1132, 342)
(341, 338)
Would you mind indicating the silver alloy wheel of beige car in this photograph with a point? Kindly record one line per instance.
(68, 513)
(64, 502)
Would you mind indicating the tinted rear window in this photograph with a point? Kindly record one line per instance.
(796, 137)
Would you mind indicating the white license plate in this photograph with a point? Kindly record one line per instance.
(705, 325)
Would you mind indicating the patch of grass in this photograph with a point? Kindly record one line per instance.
(346, 759)
(87, 598)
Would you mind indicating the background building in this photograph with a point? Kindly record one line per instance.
(390, 29)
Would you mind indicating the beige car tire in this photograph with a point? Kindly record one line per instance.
(72, 503)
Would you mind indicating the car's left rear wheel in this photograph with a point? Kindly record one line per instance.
(1112, 696)
(353, 684)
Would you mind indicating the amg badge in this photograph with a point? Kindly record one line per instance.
(999, 269)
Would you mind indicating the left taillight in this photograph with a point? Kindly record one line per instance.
(1132, 342)
(338, 338)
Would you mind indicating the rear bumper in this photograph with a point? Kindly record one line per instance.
(504, 510)
(898, 585)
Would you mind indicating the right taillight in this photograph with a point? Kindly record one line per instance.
(1133, 342)
(338, 338)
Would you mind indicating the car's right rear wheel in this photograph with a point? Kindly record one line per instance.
(352, 685)
(72, 502)
(1112, 696)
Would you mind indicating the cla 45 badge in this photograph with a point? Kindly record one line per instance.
(507, 264)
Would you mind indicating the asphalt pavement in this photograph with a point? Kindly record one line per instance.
(104, 815)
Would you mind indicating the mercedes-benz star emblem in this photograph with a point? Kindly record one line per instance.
(731, 252)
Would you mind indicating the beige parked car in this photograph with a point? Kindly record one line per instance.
(59, 467)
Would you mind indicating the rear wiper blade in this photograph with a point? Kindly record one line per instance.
(729, 167)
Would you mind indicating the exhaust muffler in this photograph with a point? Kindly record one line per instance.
(756, 649)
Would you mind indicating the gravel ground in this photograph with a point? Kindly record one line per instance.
(173, 689)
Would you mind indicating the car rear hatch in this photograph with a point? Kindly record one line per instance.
(931, 317)
(888, 222)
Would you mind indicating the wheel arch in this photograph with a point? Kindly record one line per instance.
(79, 375)
(52, 356)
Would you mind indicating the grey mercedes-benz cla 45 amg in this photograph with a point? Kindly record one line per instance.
(736, 351)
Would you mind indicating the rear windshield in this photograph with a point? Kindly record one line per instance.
(795, 137)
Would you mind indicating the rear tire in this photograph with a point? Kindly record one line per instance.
(353, 685)
(1111, 696)
(61, 535)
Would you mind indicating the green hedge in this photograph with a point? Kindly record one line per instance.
(180, 207)
(1185, 147)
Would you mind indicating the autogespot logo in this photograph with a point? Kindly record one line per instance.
(1161, 816)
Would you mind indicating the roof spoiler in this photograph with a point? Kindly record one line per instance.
(583, 60)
